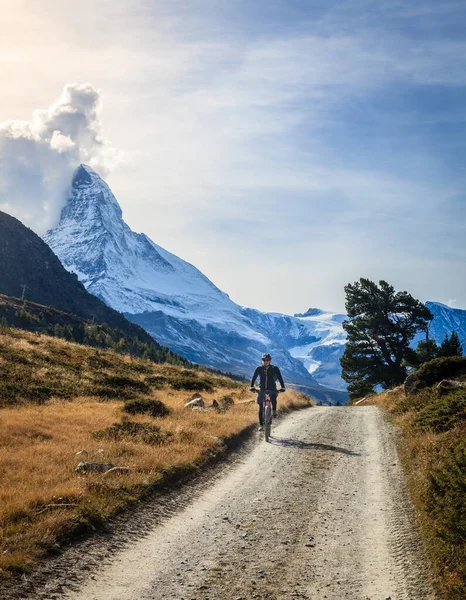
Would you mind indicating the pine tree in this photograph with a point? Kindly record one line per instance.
(381, 325)
(451, 346)
(426, 350)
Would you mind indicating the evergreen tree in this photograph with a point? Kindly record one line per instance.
(451, 346)
(381, 325)
(426, 350)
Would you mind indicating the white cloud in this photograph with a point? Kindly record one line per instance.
(37, 158)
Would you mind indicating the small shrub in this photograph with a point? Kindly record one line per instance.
(190, 382)
(153, 408)
(130, 430)
(156, 381)
(117, 381)
(109, 392)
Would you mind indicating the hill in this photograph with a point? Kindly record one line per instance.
(31, 316)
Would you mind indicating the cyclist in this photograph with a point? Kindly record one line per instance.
(268, 376)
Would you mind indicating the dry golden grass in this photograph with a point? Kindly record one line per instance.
(42, 498)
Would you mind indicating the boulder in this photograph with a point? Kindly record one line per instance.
(412, 386)
(396, 389)
(196, 401)
(446, 385)
(214, 405)
(117, 471)
(93, 467)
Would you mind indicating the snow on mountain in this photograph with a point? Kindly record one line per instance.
(316, 338)
(166, 295)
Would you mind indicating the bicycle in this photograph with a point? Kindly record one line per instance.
(267, 414)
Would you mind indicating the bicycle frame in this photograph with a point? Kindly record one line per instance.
(267, 416)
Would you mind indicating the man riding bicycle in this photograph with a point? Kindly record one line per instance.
(268, 376)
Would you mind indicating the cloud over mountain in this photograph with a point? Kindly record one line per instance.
(38, 157)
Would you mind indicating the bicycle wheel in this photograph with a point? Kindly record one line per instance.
(267, 421)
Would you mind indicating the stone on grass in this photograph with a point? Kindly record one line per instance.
(117, 471)
(446, 385)
(93, 467)
(196, 402)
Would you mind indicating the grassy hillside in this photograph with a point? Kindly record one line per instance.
(433, 448)
(62, 403)
(52, 321)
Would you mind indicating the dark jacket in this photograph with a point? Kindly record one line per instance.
(267, 377)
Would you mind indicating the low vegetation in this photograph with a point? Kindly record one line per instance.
(47, 320)
(63, 403)
(433, 425)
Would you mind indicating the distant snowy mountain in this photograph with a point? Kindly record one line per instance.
(167, 296)
(316, 338)
(446, 320)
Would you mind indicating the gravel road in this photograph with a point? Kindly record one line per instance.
(320, 512)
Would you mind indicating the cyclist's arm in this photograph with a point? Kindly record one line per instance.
(280, 378)
(254, 377)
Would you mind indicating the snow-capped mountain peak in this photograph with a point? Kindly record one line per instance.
(126, 269)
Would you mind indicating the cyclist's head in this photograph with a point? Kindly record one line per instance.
(266, 358)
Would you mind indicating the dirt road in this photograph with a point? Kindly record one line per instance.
(319, 513)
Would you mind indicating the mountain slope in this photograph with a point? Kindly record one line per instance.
(167, 296)
(446, 320)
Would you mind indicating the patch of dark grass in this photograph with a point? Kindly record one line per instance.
(153, 408)
(191, 382)
(442, 412)
(139, 367)
(156, 381)
(110, 393)
(96, 361)
(228, 383)
(140, 432)
(117, 381)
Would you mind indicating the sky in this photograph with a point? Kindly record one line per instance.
(284, 147)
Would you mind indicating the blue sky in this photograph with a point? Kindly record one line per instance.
(305, 142)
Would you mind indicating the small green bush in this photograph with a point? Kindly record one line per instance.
(130, 430)
(153, 408)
